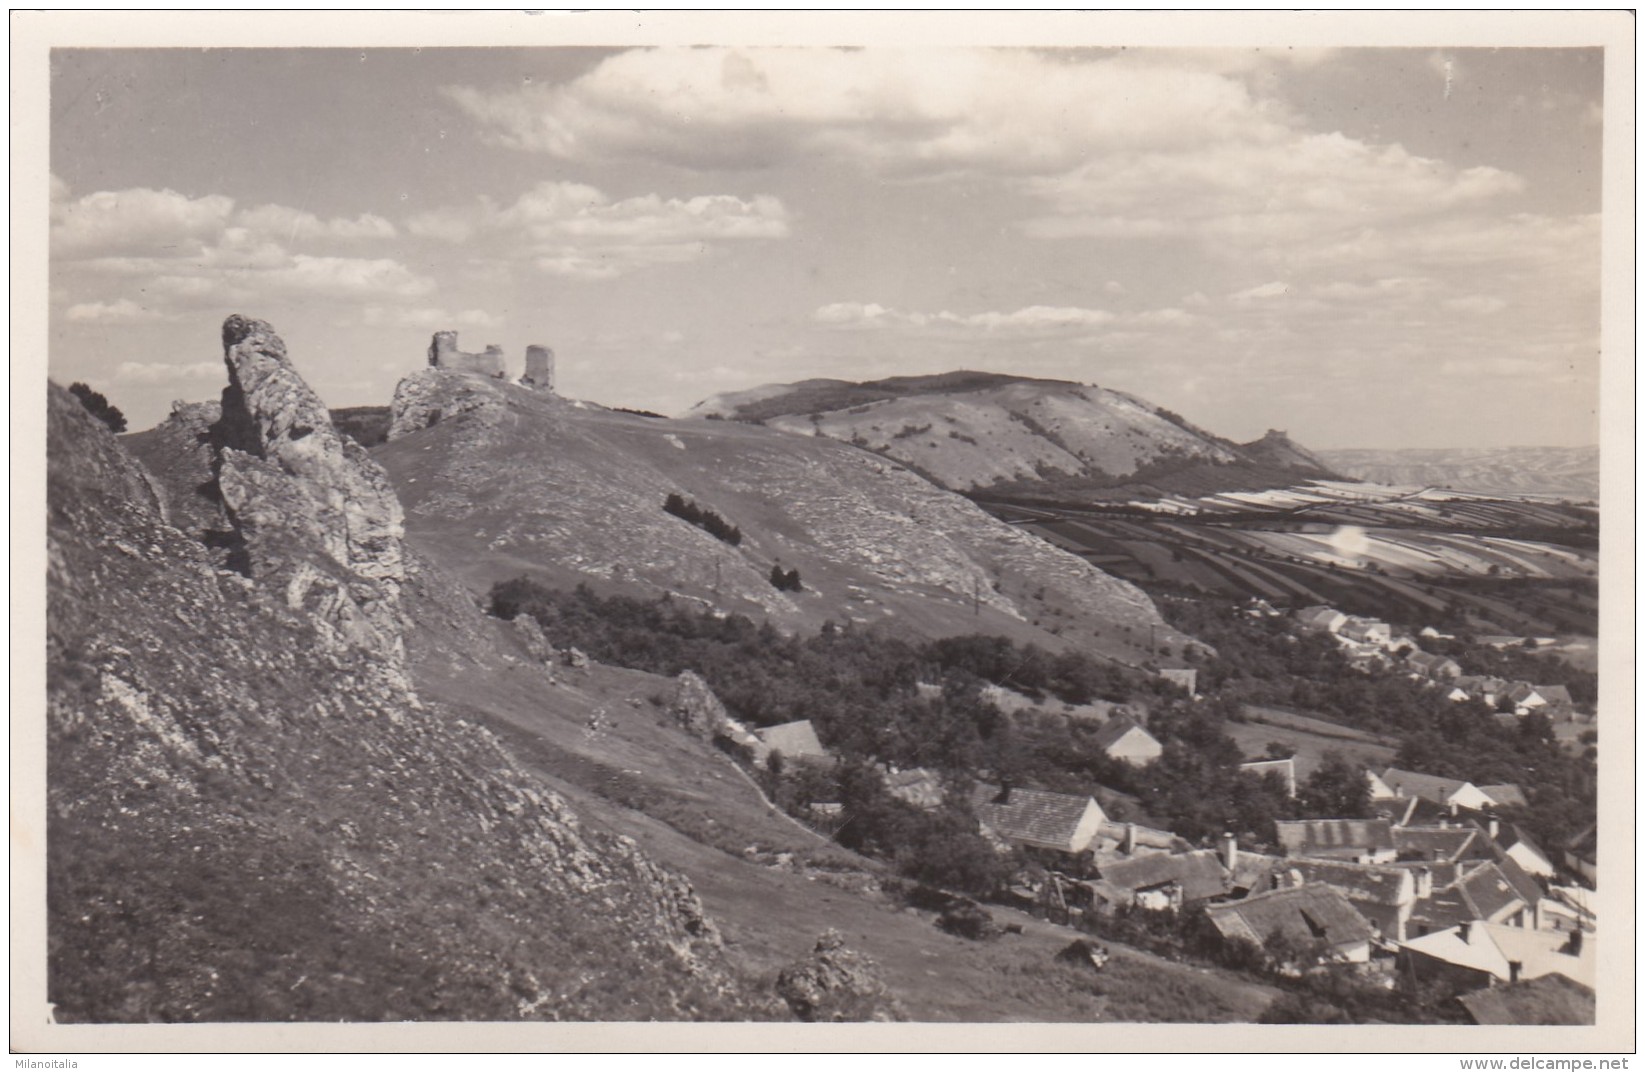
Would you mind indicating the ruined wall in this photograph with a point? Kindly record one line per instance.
(443, 354)
(539, 368)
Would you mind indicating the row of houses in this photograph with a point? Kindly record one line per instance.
(1367, 642)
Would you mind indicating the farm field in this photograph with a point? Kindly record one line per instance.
(1472, 566)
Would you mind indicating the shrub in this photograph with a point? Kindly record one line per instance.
(95, 402)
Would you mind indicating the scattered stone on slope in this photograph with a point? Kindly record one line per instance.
(835, 983)
(245, 824)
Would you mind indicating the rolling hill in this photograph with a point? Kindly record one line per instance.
(972, 431)
(1567, 472)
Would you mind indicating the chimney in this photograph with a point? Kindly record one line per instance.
(1514, 969)
(1425, 883)
(1129, 845)
(1573, 946)
(1463, 929)
(1453, 804)
(1536, 915)
(1491, 827)
(1230, 850)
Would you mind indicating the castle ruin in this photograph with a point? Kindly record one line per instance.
(539, 368)
(539, 361)
(443, 354)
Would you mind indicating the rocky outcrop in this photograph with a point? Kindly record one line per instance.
(695, 707)
(539, 368)
(245, 823)
(429, 396)
(835, 983)
(443, 354)
(1278, 449)
(531, 634)
(316, 516)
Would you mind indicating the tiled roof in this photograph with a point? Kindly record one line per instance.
(1487, 892)
(1200, 873)
(1510, 835)
(1431, 787)
(1304, 836)
(1524, 884)
(1434, 843)
(1540, 953)
(1555, 695)
(1112, 731)
(1505, 793)
(795, 740)
(1547, 1000)
(1381, 884)
(1302, 914)
(1036, 816)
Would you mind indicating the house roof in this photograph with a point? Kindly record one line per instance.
(1505, 793)
(1312, 911)
(1557, 695)
(1547, 1000)
(1319, 616)
(1482, 683)
(1523, 882)
(1478, 951)
(1432, 787)
(795, 740)
(1519, 691)
(1147, 837)
(1255, 871)
(1038, 816)
(1487, 892)
(1110, 733)
(917, 786)
(1307, 836)
(1510, 835)
(1200, 873)
(1380, 884)
(1540, 953)
(1585, 842)
(1434, 843)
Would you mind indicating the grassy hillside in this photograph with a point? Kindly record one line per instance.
(528, 484)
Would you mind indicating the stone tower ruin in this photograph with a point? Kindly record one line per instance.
(539, 368)
(443, 354)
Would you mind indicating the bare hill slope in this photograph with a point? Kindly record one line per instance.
(1568, 472)
(970, 431)
(510, 481)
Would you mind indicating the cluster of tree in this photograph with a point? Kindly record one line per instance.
(99, 406)
(706, 520)
(785, 581)
(1262, 662)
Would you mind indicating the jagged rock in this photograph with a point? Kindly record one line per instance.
(695, 707)
(576, 658)
(429, 396)
(244, 824)
(443, 354)
(835, 983)
(539, 368)
(531, 634)
(317, 515)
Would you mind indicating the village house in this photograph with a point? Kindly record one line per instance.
(1452, 793)
(1432, 634)
(1127, 839)
(920, 787)
(1504, 794)
(1364, 841)
(1439, 844)
(1286, 769)
(1383, 894)
(1480, 687)
(1366, 631)
(1161, 880)
(1498, 893)
(1476, 954)
(796, 741)
(1581, 854)
(1513, 843)
(1437, 668)
(1312, 913)
(1186, 678)
(1548, 1000)
(1552, 701)
(1124, 739)
(1039, 818)
(1320, 619)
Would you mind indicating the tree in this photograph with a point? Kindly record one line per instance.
(1337, 789)
(95, 402)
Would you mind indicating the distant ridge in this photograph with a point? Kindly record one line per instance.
(1569, 472)
(1022, 436)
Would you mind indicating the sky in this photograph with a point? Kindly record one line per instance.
(1366, 247)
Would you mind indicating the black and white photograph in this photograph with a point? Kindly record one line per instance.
(1049, 521)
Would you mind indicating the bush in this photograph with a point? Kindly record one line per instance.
(99, 406)
(785, 581)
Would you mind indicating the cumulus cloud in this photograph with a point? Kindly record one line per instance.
(190, 252)
(999, 110)
(123, 311)
(571, 229)
(164, 372)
